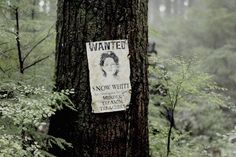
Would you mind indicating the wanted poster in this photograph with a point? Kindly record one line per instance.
(109, 73)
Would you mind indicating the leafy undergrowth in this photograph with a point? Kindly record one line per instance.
(189, 99)
(24, 116)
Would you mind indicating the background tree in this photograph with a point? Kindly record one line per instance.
(35, 40)
(206, 29)
(117, 134)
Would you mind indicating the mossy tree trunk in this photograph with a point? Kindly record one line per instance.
(115, 134)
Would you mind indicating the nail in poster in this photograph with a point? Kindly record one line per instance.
(109, 72)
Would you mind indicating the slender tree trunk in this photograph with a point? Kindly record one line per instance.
(181, 7)
(191, 3)
(168, 7)
(153, 10)
(116, 134)
(33, 9)
(169, 140)
(176, 7)
(21, 63)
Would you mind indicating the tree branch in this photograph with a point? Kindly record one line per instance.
(38, 43)
(3, 53)
(2, 70)
(10, 32)
(35, 62)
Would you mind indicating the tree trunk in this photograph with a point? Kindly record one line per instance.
(168, 7)
(191, 3)
(116, 134)
(176, 7)
(33, 11)
(181, 7)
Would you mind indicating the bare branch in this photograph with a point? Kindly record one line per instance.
(38, 43)
(11, 32)
(35, 62)
(2, 70)
(5, 70)
(7, 50)
(3, 53)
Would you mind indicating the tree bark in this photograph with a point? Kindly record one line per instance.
(116, 134)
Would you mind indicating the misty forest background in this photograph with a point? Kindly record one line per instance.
(192, 77)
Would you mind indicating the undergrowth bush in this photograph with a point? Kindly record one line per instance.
(24, 112)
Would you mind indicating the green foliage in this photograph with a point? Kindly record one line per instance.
(23, 109)
(192, 95)
(204, 114)
(27, 102)
(207, 30)
(36, 34)
(186, 82)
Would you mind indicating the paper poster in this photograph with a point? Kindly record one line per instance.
(109, 72)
